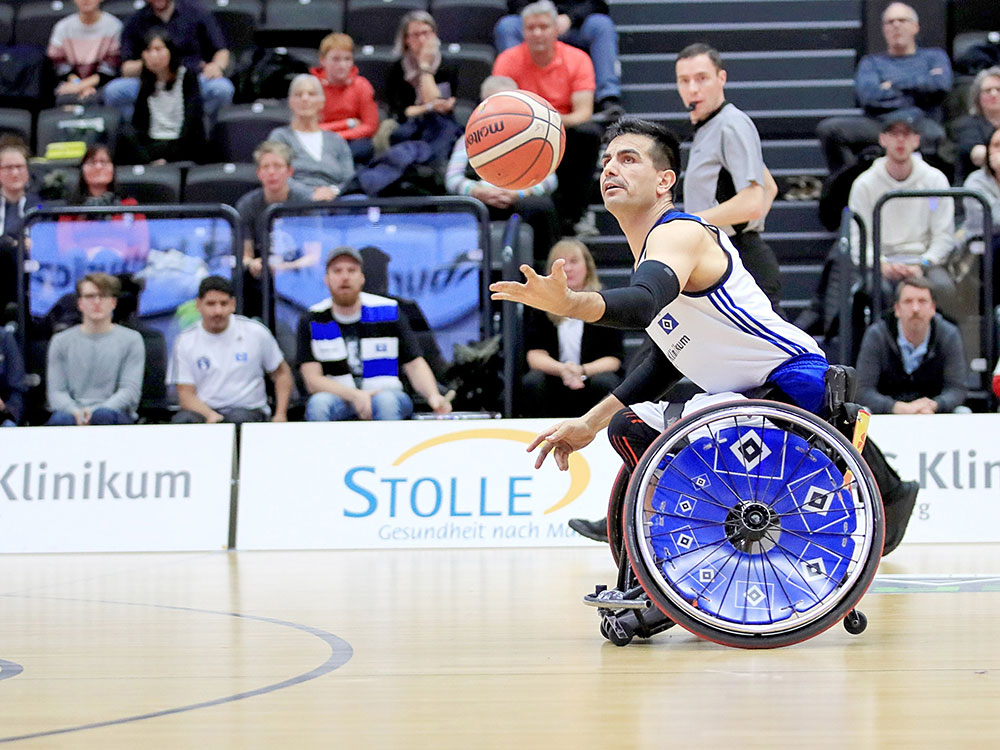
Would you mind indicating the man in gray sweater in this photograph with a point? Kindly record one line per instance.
(95, 369)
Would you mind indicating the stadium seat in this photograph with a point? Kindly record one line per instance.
(148, 184)
(238, 20)
(374, 63)
(6, 24)
(16, 122)
(467, 21)
(475, 63)
(242, 127)
(299, 23)
(122, 9)
(375, 21)
(219, 183)
(76, 123)
(34, 21)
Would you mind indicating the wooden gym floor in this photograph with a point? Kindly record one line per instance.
(469, 649)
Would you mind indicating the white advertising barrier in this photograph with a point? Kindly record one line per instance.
(956, 460)
(115, 489)
(362, 485)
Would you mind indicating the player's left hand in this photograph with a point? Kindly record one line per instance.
(549, 293)
(561, 440)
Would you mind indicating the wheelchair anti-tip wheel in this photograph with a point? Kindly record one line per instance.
(753, 524)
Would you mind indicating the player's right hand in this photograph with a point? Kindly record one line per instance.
(561, 440)
(549, 293)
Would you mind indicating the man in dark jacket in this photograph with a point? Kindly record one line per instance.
(913, 363)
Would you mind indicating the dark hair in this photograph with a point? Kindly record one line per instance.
(215, 284)
(106, 284)
(82, 189)
(915, 281)
(700, 48)
(161, 33)
(666, 147)
(986, 165)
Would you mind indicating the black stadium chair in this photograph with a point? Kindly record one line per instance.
(76, 123)
(240, 128)
(6, 24)
(16, 122)
(238, 20)
(299, 23)
(148, 184)
(220, 183)
(122, 9)
(475, 64)
(34, 21)
(375, 21)
(374, 63)
(467, 21)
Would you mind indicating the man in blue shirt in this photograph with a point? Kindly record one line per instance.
(904, 77)
(201, 44)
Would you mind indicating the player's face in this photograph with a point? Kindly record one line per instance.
(344, 279)
(989, 94)
(700, 84)
(575, 268)
(273, 173)
(540, 33)
(628, 175)
(915, 308)
(899, 142)
(899, 27)
(215, 308)
(337, 64)
(94, 305)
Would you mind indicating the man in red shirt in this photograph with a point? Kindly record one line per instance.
(563, 75)
(350, 109)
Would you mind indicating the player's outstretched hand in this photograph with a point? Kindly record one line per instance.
(561, 440)
(549, 293)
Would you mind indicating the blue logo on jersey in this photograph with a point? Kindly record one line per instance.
(241, 356)
(668, 324)
(381, 348)
(203, 363)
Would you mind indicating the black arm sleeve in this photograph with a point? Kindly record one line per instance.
(649, 380)
(654, 285)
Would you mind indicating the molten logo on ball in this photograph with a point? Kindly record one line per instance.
(515, 139)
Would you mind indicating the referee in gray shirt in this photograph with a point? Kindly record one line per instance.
(726, 182)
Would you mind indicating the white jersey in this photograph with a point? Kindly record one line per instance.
(727, 337)
(226, 369)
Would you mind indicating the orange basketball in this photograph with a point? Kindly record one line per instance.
(515, 139)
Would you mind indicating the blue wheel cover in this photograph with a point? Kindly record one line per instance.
(804, 555)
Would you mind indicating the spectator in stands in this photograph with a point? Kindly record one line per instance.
(350, 110)
(97, 180)
(420, 87)
(95, 369)
(534, 205)
(168, 122)
(986, 180)
(350, 349)
(274, 170)
(12, 385)
(321, 159)
(904, 78)
(726, 182)
(564, 76)
(586, 25)
(972, 132)
(84, 50)
(912, 362)
(218, 365)
(573, 364)
(14, 201)
(917, 234)
(201, 47)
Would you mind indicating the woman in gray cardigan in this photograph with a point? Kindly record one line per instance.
(321, 159)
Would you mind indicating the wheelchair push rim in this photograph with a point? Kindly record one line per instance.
(754, 524)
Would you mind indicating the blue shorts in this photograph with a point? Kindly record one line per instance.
(803, 378)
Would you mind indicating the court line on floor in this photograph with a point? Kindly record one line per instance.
(340, 653)
(9, 669)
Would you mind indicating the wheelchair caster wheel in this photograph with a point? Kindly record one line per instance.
(855, 622)
(616, 631)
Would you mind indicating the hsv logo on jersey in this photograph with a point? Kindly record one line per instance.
(667, 323)
(241, 356)
(203, 363)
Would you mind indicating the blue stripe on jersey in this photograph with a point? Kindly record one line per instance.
(380, 314)
(373, 368)
(720, 305)
(766, 332)
(325, 331)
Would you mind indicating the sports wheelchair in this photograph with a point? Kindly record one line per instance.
(751, 523)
